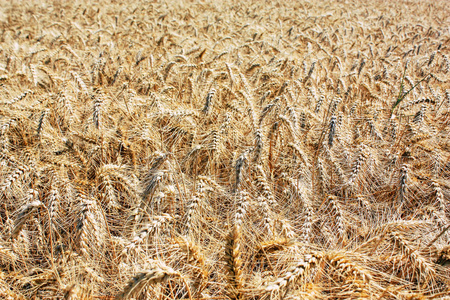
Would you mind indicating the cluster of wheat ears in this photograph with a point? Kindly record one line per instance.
(224, 150)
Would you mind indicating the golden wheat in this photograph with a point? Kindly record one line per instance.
(224, 150)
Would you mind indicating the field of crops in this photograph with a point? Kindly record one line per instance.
(224, 150)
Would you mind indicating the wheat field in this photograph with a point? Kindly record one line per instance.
(225, 150)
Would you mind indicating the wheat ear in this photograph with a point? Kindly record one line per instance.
(294, 273)
(234, 263)
(25, 212)
(158, 273)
